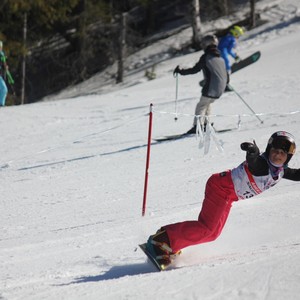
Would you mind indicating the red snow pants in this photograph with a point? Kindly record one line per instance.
(219, 195)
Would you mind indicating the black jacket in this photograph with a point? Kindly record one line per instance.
(259, 166)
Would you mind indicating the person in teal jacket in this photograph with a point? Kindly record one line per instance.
(3, 68)
(227, 44)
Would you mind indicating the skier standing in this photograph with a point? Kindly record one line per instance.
(215, 75)
(3, 68)
(228, 43)
(255, 175)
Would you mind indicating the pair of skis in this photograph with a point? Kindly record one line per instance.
(187, 135)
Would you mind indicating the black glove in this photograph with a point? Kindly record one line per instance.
(237, 59)
(249, 147)
(177, 71)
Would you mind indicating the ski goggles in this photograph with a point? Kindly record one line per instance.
(285, 145)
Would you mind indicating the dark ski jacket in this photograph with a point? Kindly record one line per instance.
(259, 166)
(257, 174)
(214, 71)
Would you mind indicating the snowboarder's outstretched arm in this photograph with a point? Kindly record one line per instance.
(256, 164)
(292, 174)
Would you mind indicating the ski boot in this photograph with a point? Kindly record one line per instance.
(192, 130)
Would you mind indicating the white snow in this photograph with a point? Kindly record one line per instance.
(72, 181)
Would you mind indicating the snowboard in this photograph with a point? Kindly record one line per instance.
(245, 62)
(152, 258)
(241, 64)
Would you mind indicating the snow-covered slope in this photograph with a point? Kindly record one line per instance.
(72, 181)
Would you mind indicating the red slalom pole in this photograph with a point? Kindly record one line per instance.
(147, 160)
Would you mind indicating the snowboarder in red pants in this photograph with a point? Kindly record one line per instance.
(256, 174)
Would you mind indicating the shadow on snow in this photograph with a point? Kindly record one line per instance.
(85, 157)
(117, 272)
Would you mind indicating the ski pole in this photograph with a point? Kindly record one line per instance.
(176, 97)
(231, 87)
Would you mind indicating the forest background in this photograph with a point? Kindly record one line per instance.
(53, 44)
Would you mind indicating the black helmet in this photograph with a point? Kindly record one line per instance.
(282, 140)
(209, 40)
